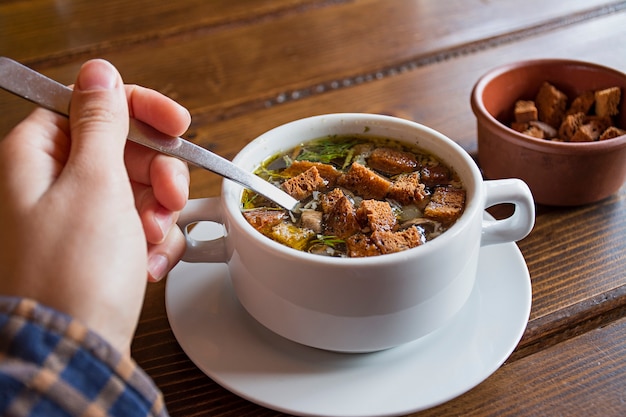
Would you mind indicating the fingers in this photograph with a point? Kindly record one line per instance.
(157, 110)
(38, 141)
(98, 121)
(169, 177)
(160, 183)
(155, 219)
(99, 115)
(164, 256)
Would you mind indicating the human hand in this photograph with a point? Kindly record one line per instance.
(84, 214)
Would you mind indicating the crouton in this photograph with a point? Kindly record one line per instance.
(361, 245)
(326, 171)
(589, 132)
(520, 126)
(302, 185)
(551, 104)
(364, 182)
(390, 242)
(525, 111)
(592, 109)
(391, 161)
(446, 204)
(535, 128)
(607, 101)
(377, 215)
(535, 132)
(328, 200)
(584, 134)
(407, 189)
(341, 219)
(571, 123)
(263, 219)
(611, 133)
(582, 103)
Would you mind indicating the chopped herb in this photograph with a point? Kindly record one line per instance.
(271, 174)
(331, 241)
(326, 150)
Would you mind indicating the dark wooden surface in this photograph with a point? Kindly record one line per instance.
(243, 67)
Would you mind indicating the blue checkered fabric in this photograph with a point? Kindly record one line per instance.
(51, 365)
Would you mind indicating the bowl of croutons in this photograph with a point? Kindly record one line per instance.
(557, 124)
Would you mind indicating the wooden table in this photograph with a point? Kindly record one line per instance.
(243, 67)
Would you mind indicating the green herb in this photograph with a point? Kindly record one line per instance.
(331, 241)
(326, 150)
(270, 174)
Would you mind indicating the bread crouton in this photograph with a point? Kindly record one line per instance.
(364, 182)
(601, 123)
(520, 126)
(582, 103)
(446, 204)
(326, 171)
(607, 101)
(361, 245)
(535, 132)
(328, 200)
(611, 133)
(392, 161)
(571, 123)
(391, 242)
(377, 215)
(263, 219)
(535, 128)
(525, 111)
(551, 104)
(341, 219)
(302, 185)
(590, 131)
(407, 189)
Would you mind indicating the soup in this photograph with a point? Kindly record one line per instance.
(359, 196)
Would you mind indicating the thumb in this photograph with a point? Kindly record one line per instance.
(98, 118)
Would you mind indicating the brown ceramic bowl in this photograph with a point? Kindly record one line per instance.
(558, 173)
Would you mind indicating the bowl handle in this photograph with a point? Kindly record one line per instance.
(520, 223)
(201, 250)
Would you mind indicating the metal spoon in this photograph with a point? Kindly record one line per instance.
(33, 86)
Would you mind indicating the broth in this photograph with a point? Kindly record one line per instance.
(359, 196)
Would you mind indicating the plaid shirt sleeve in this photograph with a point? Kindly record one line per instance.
(51, 365)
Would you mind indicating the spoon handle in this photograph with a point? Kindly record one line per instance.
(39, 89)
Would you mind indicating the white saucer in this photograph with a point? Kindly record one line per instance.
(244, 357)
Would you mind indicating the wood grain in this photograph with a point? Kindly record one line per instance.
(245, 67)
(253, 63)
(46, 32)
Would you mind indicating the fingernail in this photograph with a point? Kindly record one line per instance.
(165, 220)
(97, 75)
(157, 266)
